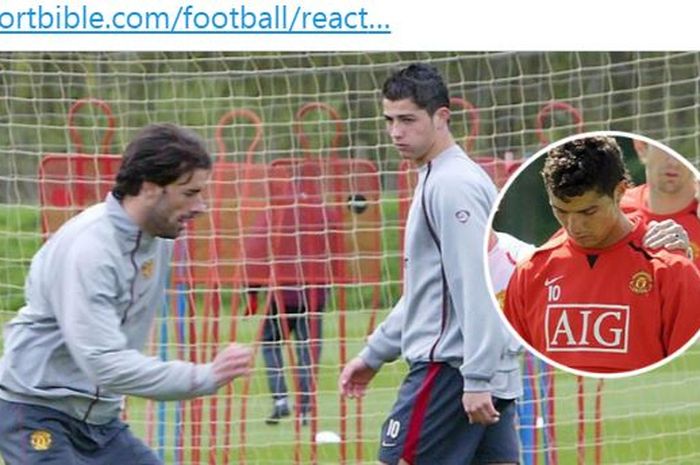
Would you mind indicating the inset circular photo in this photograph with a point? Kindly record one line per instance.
(604, 278)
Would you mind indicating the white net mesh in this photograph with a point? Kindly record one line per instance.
(350, 169)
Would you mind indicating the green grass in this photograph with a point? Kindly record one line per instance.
(649, 419)
(20, 237)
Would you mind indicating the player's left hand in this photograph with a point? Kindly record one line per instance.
(667, 234)
(479, 408)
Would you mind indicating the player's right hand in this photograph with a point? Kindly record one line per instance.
(355, 377)
(479, 408)
(232, 362)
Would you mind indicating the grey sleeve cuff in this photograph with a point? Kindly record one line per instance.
(477, 385)
(203, 382)
(371, 358)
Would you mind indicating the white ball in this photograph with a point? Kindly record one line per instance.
(327, 437)
(539, 423)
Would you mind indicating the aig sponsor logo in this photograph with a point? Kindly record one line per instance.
(587, 328)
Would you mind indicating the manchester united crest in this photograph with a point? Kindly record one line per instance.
(641, 282)
(147, 269)
(40, 440)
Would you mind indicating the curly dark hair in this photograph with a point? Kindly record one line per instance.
(160, 153)
(420, 82)
(581, 165)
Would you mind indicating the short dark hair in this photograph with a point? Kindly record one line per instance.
(420, 82)
(160, 153)
(581, 165)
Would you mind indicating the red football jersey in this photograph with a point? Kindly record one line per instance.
(604, 310)
(635, 202)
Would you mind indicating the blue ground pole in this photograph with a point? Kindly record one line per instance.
(181, 312)
(546, 378)
(163, 353)
(526, 413)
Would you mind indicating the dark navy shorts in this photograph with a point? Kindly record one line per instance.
(31, 434)
(428, 424)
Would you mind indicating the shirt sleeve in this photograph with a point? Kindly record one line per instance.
(384, 344)
(84, 295)
(680, 294)
(459, 211)
(514, 305)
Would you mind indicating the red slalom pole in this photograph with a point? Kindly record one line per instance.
(550, 420)
(599, 423)
(581, 443)
(342, 354)
(213, 402)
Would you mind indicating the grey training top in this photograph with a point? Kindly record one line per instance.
(450, 320)
(91, 296)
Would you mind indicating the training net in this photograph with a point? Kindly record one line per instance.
(307, 191)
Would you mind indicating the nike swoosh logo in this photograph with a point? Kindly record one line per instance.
(388, 444)
(550, 281)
